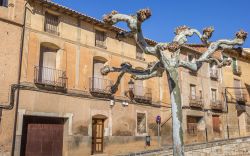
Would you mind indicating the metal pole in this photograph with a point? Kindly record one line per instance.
(159, 134)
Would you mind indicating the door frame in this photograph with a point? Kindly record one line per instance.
(93, 143)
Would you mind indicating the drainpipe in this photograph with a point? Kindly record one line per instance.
(16, 87)
(228, 135)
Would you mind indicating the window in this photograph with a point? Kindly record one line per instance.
(213, 94)
(100, 38)
(237, 90)
(192, 124)
(51, 23)
(4, 3)
(141, 123)
(216, 123)
(191, 58)
(193, 91)
(97, 76)
(139, 54)
(47, 72)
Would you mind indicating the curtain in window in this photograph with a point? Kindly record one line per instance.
(213, 95)
(98, 78)
(48, 73)
(193, 92)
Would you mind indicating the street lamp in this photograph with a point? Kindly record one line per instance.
(131, 84)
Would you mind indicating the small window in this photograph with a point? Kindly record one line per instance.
(51, 23)
(141, 123)
(4, 3)
(193, 91)
(100, 38)
(213, 94)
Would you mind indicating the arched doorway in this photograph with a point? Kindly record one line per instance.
(97, 133)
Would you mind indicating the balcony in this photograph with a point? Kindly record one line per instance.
(100, 87)
(241, 97)
(214, 74)
(216, 105)
(196, 102)
(142, 94)
(237, 70)
(240, 107)
(50, 77)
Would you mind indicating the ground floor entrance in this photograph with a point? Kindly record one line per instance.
(97, 135)
(42, 136)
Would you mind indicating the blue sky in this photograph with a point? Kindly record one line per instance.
(226, 16)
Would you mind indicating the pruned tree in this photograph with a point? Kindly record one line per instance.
(168, 64)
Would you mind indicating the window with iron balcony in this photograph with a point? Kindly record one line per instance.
(194, 100)
(213, 72)
(100, 39)
(215, 103)
(99, 85)
(236, 67)
(51, 24)
(46, 73)
(191, 58)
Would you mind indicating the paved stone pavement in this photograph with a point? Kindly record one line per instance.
(230, 147)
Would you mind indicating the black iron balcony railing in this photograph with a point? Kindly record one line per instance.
(216, 105)
(240, 107)
(142, 94)
(214, 74)
(50, 77)
(241, 97)
(237, 70)
(196, 101)
(139, 56)
(100, 87)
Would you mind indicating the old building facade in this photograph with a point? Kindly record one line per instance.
(11, 23)
(65, 105)
(236, 83)
(202, 99)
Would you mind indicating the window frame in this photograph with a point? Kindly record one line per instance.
(213, 90)
(3, 3)
(46, 14)
(104, 36)
(190, 91)
(146, 123)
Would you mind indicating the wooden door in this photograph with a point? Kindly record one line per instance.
(216, 123)
(42, 136)
(97, 136)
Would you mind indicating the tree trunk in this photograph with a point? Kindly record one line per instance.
(178, 146)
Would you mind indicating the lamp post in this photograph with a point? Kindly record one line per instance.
(131, 85)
